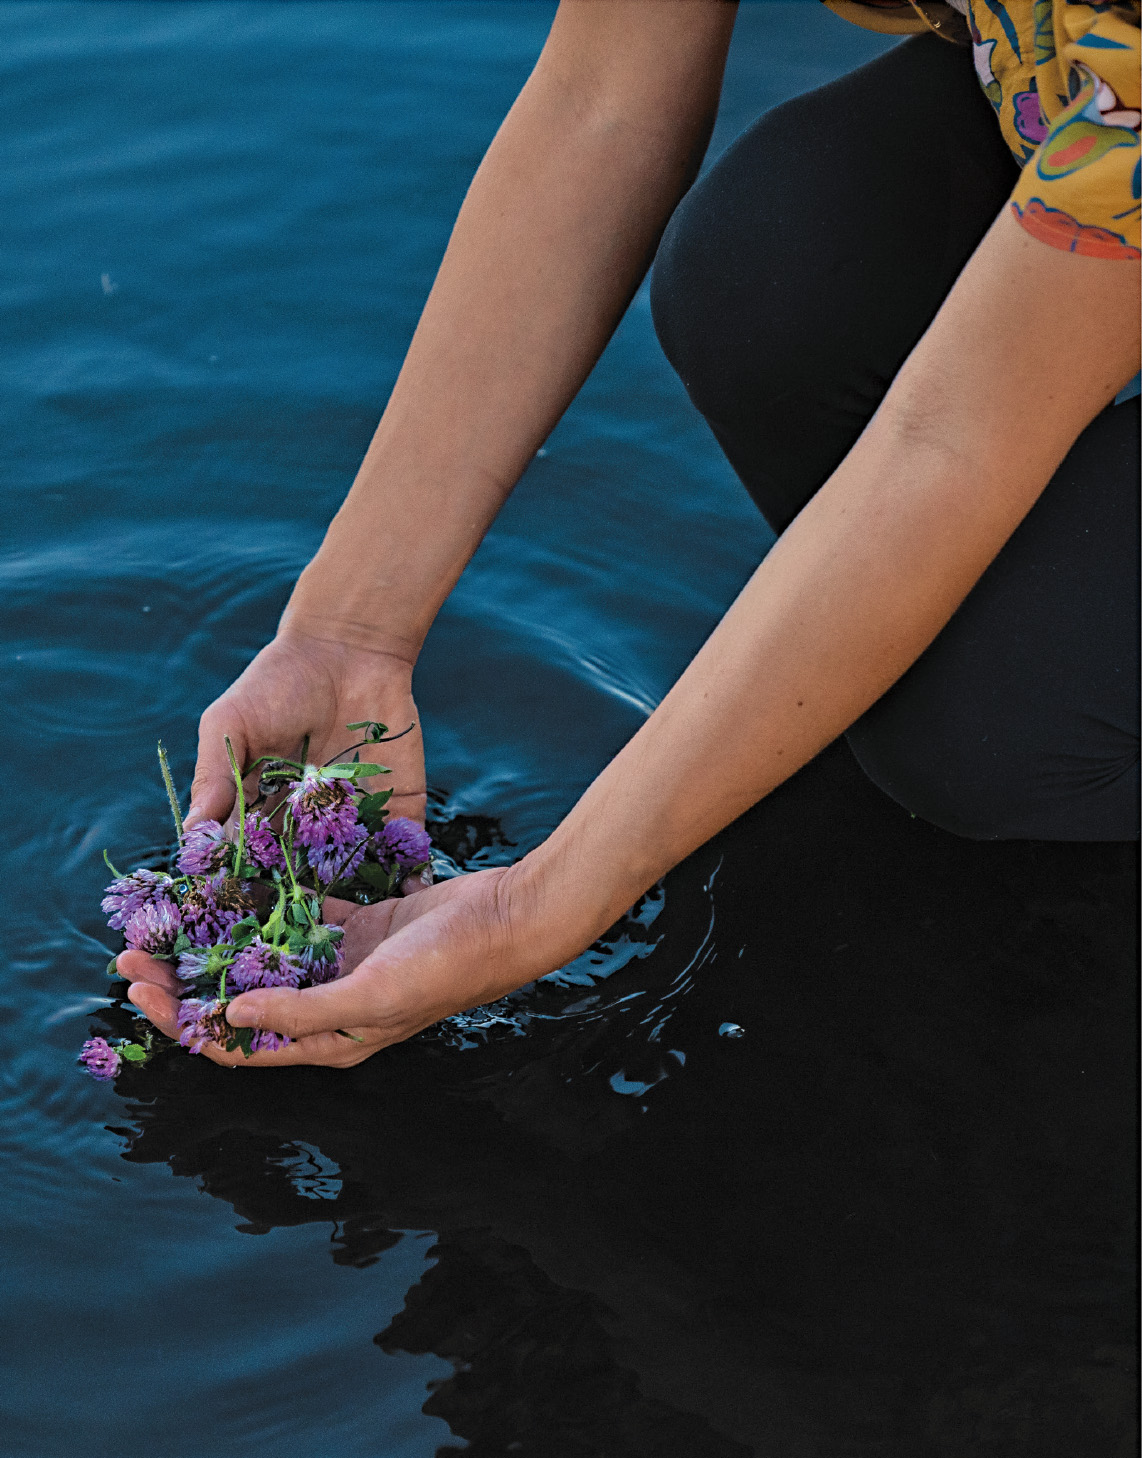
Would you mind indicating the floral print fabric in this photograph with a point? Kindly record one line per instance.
(1063, 78)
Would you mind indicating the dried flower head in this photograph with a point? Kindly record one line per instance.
(211, 908)
(202, 1021)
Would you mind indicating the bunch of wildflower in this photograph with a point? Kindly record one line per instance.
(241, 907)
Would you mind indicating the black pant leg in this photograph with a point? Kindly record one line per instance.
(790, 286)
(797, 274)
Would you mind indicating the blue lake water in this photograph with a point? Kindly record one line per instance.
(541, 1230)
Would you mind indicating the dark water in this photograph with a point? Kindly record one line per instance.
(827, 1150)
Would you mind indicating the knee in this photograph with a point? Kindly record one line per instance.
(991, 783)
(731, 312)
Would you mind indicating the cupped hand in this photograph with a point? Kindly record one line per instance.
(409, 962)
(303, 685)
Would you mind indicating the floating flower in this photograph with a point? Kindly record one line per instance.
(404, 842)
(262, 848)
(100, 1059)
(211, 908)
(154, 928)
(205, 849)
(324, 810)
(262, 965)
(130, 893)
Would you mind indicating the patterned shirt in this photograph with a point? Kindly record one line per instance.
(1063, 78)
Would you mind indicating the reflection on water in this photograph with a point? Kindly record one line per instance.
(825, 1149)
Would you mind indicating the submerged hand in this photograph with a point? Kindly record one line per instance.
(410, 962)
(301, 685)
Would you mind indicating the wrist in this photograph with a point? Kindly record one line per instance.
(555, 910)
(321, 611)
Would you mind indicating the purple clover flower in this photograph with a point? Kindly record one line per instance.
(100, 1059)
(262, 848)
(265, 1040)
(324, 810)
(334, 862)
(130, 893)
(205, 849)
(211, 908)
(154, 928)
(260, 965)
(202, 1021)
(404, 842)
(321, 961)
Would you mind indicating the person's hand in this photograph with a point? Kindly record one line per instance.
(304, 685)
(409, 962)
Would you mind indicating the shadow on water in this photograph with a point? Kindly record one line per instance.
(838, 1159)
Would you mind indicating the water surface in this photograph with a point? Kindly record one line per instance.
(822, 1151)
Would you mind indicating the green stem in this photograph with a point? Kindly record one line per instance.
(171, 796)
(240, 851)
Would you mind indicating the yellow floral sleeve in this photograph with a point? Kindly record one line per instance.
(1079, 190)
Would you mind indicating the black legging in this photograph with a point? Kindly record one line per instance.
(792, 282)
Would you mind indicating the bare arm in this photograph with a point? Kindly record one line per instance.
(557, 230)
(1028, 347)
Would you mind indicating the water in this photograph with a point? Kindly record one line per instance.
(827, 1149)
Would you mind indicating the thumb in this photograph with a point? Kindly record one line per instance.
(297, 1014)
(212, 790)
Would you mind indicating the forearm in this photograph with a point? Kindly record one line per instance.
(865, 577)
(556, 231)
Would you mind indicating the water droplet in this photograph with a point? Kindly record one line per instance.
(107, 285)
(731, 1030)
(146, 607)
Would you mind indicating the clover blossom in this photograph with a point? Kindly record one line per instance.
(202, 1021)
(205, 849)
(154, 928)
(324, 810)
(128, 894)
(321, 960)
(100, 1059)
(263, 965)
(262, 848)
(265, 1040)
(337, 863)
(211, 908)
(404, 842)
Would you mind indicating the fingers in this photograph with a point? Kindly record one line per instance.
(140, 967)
(420, 882)
(212, 789)
(341, 1004)
(156, 1004)
(332, 1050)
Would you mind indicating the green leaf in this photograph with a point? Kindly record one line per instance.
(371, 809)
(355, 771)
(112, 968)
(243, 1037)
(182, 943)
(375, 728)
(376, 876)
(132, 1052)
